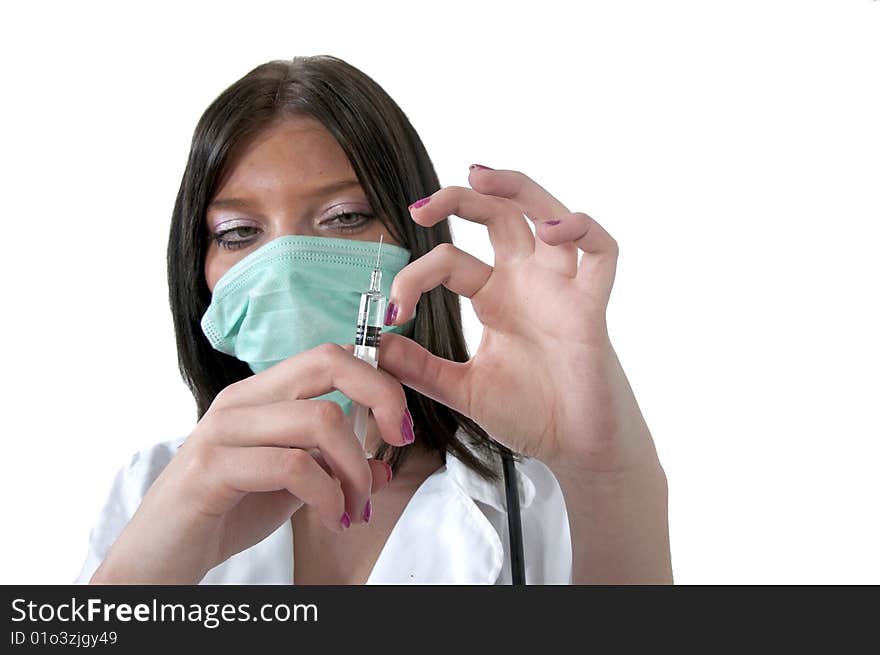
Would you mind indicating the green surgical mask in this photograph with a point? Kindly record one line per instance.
(294, 293)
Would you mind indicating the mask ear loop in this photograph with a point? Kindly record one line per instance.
(514, 521)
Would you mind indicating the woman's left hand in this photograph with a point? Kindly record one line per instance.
(545, 380)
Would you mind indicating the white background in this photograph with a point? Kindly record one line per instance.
(732, 148)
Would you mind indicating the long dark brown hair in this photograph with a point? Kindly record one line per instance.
(394, 170)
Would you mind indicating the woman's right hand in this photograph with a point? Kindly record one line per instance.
(263, 449)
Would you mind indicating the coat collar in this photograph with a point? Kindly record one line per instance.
(443, 536)
(489, 493)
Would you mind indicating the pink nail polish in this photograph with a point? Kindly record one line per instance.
(420, 203)
(390, 313)
(485, 168)
(368, 511)
(345, 520)
(555, 222)
(406, 428)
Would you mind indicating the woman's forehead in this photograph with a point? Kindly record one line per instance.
(296, 154)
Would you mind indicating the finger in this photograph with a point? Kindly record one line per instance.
(418, 368)
(598, 265)
(458, 271)
(382, 475)
(320, 370)
(248, 470)
(508, 231)
(269, 509)
(304, 424)
(381, 471)
(535, 202)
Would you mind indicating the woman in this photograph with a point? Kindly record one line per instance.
(295, 174)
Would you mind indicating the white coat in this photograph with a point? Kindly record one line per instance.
(453, 531)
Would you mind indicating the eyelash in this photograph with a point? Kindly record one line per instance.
(219, 239)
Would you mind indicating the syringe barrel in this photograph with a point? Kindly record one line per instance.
(371, 317)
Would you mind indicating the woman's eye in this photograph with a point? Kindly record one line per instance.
(346, 221)
(243, 235)
(236, 237)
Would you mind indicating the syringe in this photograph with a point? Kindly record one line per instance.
(371, 317)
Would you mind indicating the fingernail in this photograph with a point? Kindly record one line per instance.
(485, 168)
(368, 511)
(420, 203)
(406, 427)
(390, 313)
(556, 222)
(345, 520)
(388, 471)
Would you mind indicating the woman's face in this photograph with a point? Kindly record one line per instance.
(292, 179)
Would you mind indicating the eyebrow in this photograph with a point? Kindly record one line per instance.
(338, 185)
